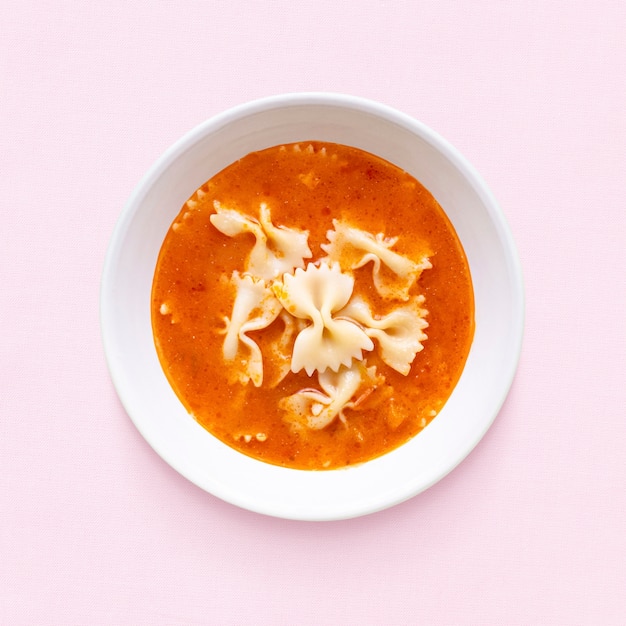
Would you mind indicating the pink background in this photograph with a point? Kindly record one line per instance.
(96, 529)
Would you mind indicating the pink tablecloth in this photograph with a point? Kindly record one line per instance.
(96, 529)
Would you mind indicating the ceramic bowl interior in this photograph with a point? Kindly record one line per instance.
(145, 391)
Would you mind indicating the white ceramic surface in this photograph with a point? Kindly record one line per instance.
(127, 334)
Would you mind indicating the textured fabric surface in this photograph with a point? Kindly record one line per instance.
(96, 529)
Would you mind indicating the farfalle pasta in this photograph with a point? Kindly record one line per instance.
(399, 334)
(296, 299)
(328, 342)
(275, 250)
(355, 248)
(317, 408)
(255, 308)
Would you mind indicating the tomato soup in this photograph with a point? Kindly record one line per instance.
(312, 306)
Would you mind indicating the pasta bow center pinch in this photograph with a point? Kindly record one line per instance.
(315, 294)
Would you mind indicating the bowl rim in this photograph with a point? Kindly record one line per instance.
(342, 101)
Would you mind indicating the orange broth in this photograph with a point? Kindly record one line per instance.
(307, 185)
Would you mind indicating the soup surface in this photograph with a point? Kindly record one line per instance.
(312, 306)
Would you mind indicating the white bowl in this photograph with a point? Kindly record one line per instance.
(127, 332)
